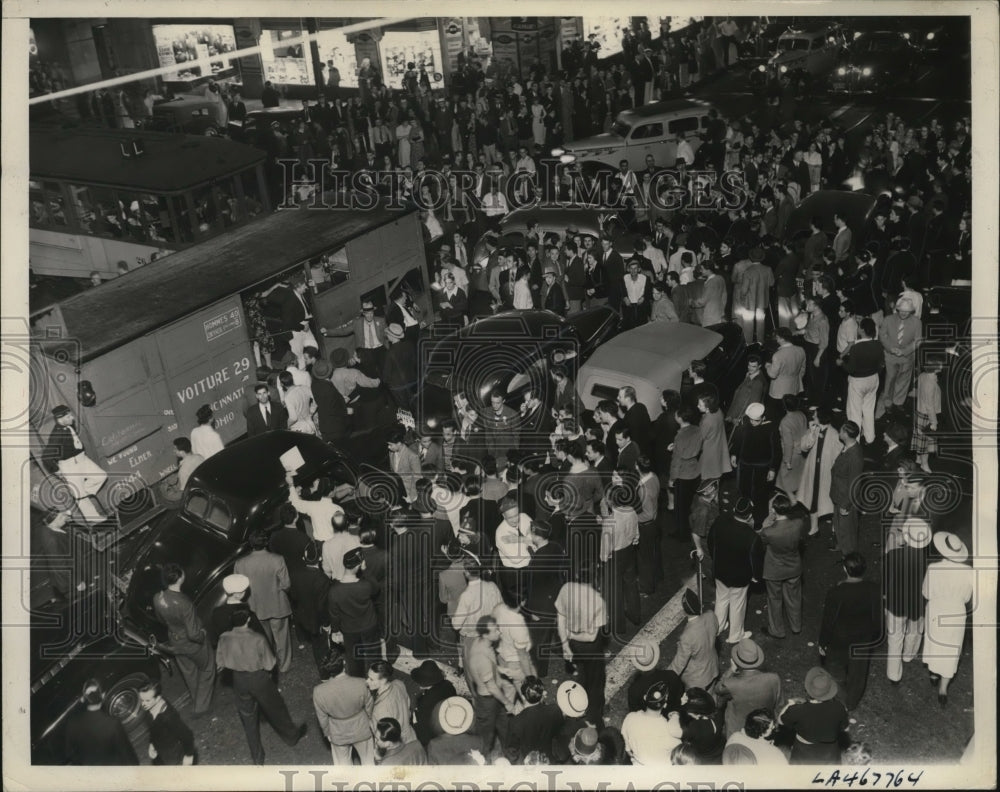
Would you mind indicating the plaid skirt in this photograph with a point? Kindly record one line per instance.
(922, 442)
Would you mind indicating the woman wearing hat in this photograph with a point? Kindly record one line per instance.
(817, 722)
(904, 569)
(948, 588)
(701, 725)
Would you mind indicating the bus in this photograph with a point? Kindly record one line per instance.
(136, 358)
(98, 197)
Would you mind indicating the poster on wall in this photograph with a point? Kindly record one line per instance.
(505, 51)
(177, 45)
(286, 62)
(606, 31)
(423, 49)
(452, 33)
(334, 47)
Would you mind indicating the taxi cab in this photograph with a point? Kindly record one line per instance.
(811, 50)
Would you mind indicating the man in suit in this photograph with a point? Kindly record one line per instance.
(369, 339)
(187, 639)
(636, 291)
(635, 416)
(404, 462)
(696, 662)
(296, 317)
(841, 243)
(782, 533)
(266, 414)
(553, 296)
(613, 265)
(852, 622)
(899, 334)
(847, 467)
(814, 247)
(331, 409)
(430, 452)
(564, 396)
(500, 422)
(710, 308)
(343, 706)
(734, 548)
(64, 455)
(94, 737)
(786, 369)
(269, 585)
(546, 572)
(409, 590)
(399, 372)
(628, 451)
(743, 688)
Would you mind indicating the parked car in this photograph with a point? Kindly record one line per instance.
(873, 62)
(233, 493)
(655, 357)
(188, 114)
(259, 121)
(589, 222)
(513, 351)
(806, 51)
(653, 129)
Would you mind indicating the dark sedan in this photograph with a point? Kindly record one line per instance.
(873, 62)
(512, 352)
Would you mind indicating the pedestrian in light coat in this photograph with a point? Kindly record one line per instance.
(269, 585)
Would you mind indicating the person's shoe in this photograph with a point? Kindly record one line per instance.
(935, 678)
(942, 699)
(746, 634)
(770, 634)
(895, 682)
(813, 531)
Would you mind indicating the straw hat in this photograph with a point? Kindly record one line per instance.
(645, 655)
(455, 715)
(950, 546)
(820, 685)
(572, 699)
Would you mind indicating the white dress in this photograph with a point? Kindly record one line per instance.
(403, 136)
(538, 124)
(948, 588)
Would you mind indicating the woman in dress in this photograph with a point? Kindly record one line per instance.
(948, 588)
(715, 461)
(538, 122)
(403, 137)
(791, 429)
(522, 288)
(416, 135)
(925, 416)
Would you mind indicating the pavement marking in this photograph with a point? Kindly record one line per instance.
(620, 669)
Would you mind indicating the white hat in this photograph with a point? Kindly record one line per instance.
(755, 411)
(455, 715)
(235, 584)
(572, 699)
(950, 546)
(905, 304)
(916, 532)
(645, 654)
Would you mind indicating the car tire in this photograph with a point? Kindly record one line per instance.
(122, 702)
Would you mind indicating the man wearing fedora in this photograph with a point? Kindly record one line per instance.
(850, 625)
(331, 409)
(573, 703)
(434, 689)
(817, 722)
(782, 534)
(736, 559)
(399, 372)
(454, 741)
(369, 339)
(343, 708)
(744, 688)
(65, 455)
(696, 661)
(903, 571)
(899, 335)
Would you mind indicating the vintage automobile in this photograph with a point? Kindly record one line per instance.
(805, 52)
(655, 357)
(590, 222)
(873, 62)
(189, 114)
(257, 122)
(230, 495)
(654, 128)
(512, 351)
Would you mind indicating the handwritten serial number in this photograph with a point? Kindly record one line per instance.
(868, 778)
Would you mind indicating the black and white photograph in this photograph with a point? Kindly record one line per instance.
(537, 394)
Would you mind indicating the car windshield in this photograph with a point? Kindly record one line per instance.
(620, 128)
(789, 44)
(877, 44)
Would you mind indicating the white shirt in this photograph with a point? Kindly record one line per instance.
(513, 636)
(526, 164)
(333, 553)
(684, 150)
(408, 319)
(205, 441)
(494, 204)
(675, 260)
(766, 753)
(512, 543)
(635, 289)
(300, 377)
(650, 738)
(479, 599)
(320, 513)
(655, 257)
(847, 333)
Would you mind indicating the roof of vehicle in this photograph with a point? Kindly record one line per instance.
(171, 163)
(251, 468)
(653, 352)
(551, 217)
(667, 106)
(152, 296)
(808, 31)
(183, 101)
(518, 325)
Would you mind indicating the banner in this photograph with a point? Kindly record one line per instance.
(452, 34)
(398, 48)
(178, 44)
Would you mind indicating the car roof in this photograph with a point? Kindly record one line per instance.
(250, 469)
(655, 351)
(512, 324)
(182, 101)
(808, 31)
(667, 106)
(551, 218)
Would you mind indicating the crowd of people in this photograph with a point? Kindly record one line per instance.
(526, 569)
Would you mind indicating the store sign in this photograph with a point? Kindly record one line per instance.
(223, 323)
(177, 45)
(529, 24)
(505, 49)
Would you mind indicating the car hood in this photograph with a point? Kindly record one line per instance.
(784, 58)
(875, 60)
(200, 551)
(604, 140)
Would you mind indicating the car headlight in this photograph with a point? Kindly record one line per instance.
(762, 68)
(841, 71)
(783, 68)
(930, 36)
(906, 36)
(857, 34)
(866, 71)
